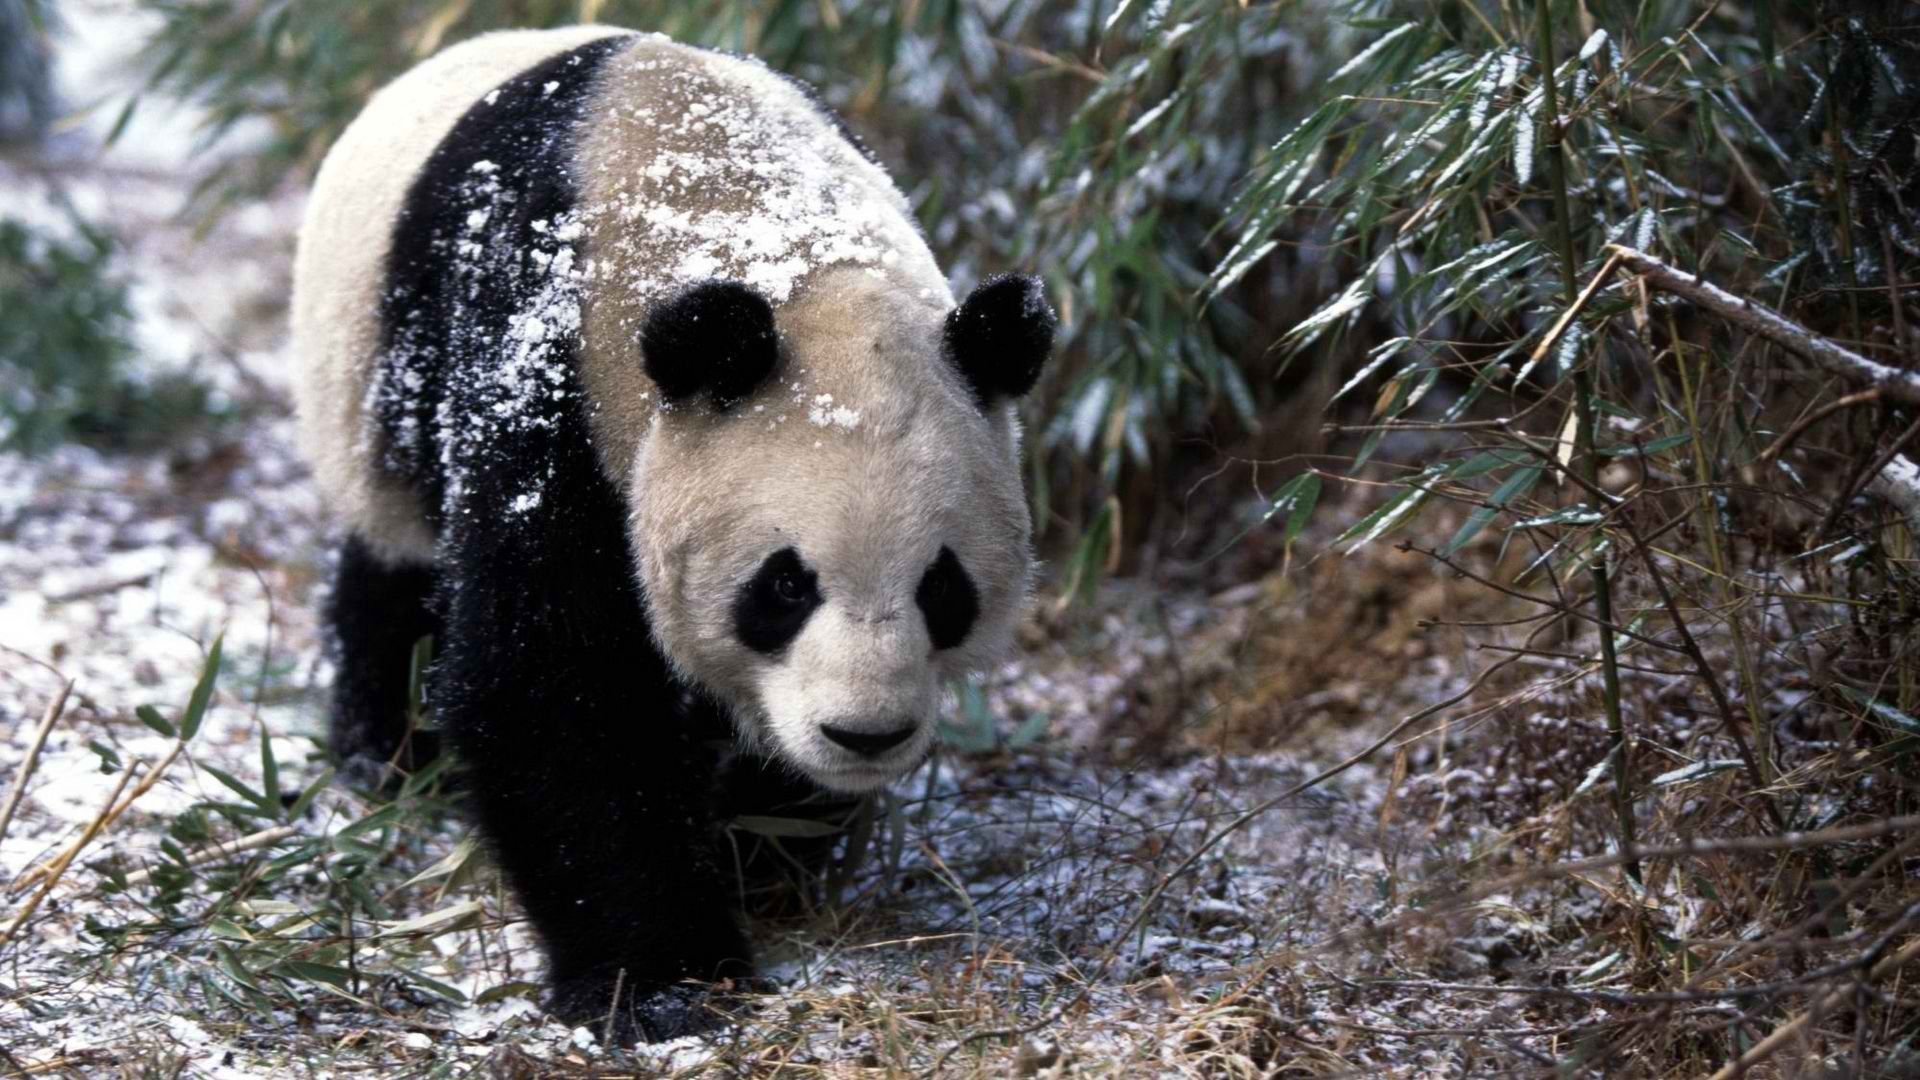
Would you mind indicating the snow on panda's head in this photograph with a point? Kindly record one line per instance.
(827, 509)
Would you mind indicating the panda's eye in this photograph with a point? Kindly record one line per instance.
(948, 599)
(772, 606)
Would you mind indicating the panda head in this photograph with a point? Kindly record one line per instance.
(827, 509)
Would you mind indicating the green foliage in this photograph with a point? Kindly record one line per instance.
(67, 369)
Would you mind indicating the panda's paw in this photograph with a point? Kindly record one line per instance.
(643, 1013)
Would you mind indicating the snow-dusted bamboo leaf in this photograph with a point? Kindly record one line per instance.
(1882, 710)
(1699, 770)
(1601, 772)
(1363, 60)
(1577, 514)
(1597, 968)
(1396, 511)
(1377, 357)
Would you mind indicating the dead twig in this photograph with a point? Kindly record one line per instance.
(1897, 488)
(1800, 426)
(1830, 1003)
(25, 772)
(52, 867)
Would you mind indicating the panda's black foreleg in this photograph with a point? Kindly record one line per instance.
(582, 772)
(375, 615)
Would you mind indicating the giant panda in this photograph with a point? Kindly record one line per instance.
(632, 381)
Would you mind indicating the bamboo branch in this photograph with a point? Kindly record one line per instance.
(1897, 385)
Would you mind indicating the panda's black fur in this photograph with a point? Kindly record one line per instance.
(589, 765)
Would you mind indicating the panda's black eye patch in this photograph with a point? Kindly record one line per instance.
(773, 606)
(948, 600)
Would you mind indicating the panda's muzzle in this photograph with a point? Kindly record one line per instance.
(868, 744)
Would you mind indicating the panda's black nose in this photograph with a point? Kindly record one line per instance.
(867, 743)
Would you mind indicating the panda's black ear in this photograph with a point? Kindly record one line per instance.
(1000, 336)
(716, 335)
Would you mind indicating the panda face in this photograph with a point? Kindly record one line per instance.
(829, 605)
(827, 553)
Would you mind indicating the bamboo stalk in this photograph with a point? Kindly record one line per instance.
(1622, 752)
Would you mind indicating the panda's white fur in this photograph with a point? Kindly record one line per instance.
(869, 455)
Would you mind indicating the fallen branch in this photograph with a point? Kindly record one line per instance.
(25, 771)
(1897, 385)
(219, 852)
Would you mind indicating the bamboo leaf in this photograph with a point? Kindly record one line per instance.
(801, 828)
(1513, 487)
(202, 696)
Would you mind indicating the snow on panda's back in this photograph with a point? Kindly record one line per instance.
(340, 268)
